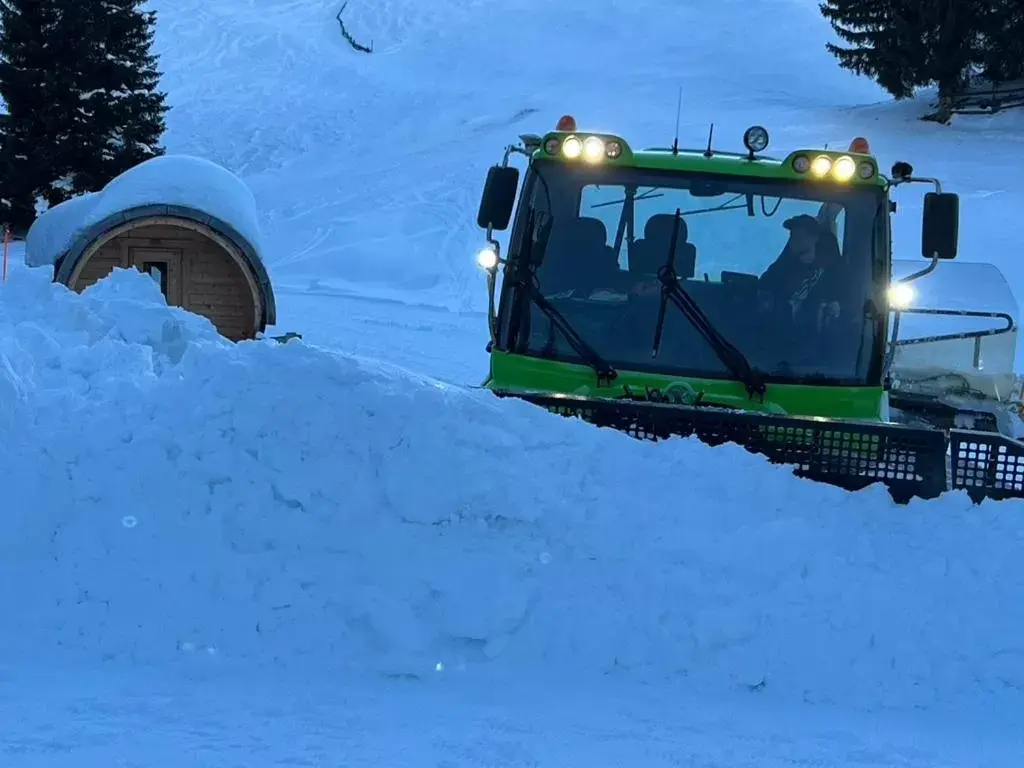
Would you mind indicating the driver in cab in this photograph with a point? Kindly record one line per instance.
(806, 281)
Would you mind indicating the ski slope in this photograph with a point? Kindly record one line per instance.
(338, 552)
(368, 167)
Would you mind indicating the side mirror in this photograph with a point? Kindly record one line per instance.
(499, 197)
(940, 227)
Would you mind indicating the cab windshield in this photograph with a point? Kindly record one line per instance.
(791, 274)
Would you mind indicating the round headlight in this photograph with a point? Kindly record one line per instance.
(900, 295)
(866, 170)
(487, 258)
(755, 139)
(844, 168)
(551, 146)
(572, 147)
(821, 165)
(801, 163)
(613, 149)
(593, 149)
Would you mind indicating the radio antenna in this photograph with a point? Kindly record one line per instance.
(679, 111)
(711, 135)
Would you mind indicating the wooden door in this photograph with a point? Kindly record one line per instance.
(164, 266)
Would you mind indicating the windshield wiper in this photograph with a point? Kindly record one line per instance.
(603, 369)
(730, 356)
(524, 278)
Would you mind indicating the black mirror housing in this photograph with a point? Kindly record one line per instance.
(940, 226)
(499, 197)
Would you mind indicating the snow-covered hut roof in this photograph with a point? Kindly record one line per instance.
(178, 186)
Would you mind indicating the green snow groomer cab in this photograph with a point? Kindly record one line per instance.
(741, 298)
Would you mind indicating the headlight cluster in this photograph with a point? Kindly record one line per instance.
(841, 169)
(591, 149)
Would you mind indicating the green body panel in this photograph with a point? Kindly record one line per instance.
(695, 161)
(730, 165)
(520, 374)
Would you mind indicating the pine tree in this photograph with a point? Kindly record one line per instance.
(122, 110)
(26, 86)
(80, 83)
(885, 41)
(907, 44)
(1003, 53)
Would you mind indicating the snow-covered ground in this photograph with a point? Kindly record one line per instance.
(257, 517)
(338, 552)
(110, 718)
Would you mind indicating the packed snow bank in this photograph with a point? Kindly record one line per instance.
(172, 496)
(166, 180)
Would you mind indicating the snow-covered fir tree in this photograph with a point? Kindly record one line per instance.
(80, 83)
(906, 44)
(30, 126)
(122, 109)
(1003, 52)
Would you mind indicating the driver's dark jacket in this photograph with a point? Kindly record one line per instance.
(803, 288)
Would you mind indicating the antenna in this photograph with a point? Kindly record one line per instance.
(679, 112)
(711, 135)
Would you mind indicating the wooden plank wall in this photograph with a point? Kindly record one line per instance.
(211, 282)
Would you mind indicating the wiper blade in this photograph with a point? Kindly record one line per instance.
(730, 356)
(525, 277)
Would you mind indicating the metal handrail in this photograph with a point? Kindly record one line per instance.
(1006, 317)
(1011, 325)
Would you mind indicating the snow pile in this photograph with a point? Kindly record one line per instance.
(165, 180)
(174, 498)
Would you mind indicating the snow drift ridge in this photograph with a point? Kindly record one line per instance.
(172, 494)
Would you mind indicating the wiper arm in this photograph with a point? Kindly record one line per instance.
(603, 369)
(524, 277)
(730, 356)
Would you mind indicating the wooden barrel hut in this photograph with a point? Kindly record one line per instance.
(187, 222)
